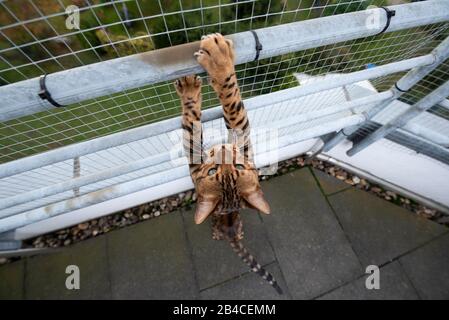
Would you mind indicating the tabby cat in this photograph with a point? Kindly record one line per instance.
(224, 176)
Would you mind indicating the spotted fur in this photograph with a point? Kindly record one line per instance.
(224, 176)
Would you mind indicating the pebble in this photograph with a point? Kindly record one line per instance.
(140, 211)
(157, 213)
(392, 194)
(102, 221)
(376, 189)
(38, 240)
(356, 180)
(188, 195)
(146, 216)
(83, 226)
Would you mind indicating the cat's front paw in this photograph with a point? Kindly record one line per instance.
(189, 87)
(216, 56)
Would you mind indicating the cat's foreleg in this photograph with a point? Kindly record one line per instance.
(216, 56)
(189, 91)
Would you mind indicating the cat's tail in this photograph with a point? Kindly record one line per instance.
(255, 267)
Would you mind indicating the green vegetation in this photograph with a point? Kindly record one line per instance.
(175, 22)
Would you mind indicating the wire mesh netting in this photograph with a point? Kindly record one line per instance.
(34, 40)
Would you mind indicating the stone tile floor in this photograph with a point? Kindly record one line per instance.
(317, 242)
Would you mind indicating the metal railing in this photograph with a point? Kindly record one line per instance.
(109, 77)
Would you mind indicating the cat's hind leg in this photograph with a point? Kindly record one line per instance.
(217, 232)
(229, 224)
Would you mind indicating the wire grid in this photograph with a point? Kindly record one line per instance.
(276, 115)
(132, 108)
(34, 40)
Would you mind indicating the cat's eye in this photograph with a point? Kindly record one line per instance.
(211, 172)
(239, 167)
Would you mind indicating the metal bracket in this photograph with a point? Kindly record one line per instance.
(44, 94)
(399, 89)
(259, 46)
(390, 14)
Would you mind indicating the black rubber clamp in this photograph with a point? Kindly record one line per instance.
(44, 94)
(399, 89)
(390, 14)
(259, 46)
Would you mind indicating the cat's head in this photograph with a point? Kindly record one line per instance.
(226, 183)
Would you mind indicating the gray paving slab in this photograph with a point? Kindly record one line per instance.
(428, 269)
(328, 183)
(394, 285)
(249, 286)
(11, 281)
(46, 274)
(312, 250)
(214, 260)
(151, 260)
(379, 230)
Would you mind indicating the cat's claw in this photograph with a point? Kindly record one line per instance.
(216, 55)
(188, 86)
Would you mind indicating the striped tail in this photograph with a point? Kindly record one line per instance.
(255, 267)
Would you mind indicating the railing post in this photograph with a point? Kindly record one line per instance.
(421, 106)
(441, 53)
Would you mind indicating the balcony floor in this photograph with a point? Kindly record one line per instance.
(317, 242)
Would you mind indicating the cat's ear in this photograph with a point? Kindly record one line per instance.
(258, 202)
(203, 209)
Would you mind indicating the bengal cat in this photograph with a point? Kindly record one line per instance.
(224, 176)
